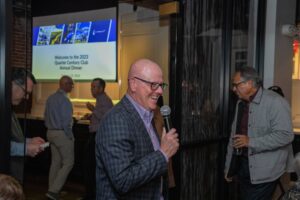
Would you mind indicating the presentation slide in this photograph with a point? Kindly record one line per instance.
(83, 49)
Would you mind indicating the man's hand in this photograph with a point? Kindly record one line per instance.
(33, 146)
(35, 140)
(240, 141)
(169, 142)
(90, 106)
(87, 116)
(228, 179)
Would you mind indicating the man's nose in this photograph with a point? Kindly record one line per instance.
(160, 90)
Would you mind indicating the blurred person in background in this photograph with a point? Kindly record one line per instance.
(103, 105)
(59, 122)
(22, 86)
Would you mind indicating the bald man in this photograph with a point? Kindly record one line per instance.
(131, 161)
(58, 120)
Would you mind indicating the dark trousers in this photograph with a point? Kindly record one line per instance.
(90, 168)
(249, 191)
(17, 167)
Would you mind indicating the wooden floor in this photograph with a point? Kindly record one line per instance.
(35, 188)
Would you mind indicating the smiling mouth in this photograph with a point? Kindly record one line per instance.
(155, 98)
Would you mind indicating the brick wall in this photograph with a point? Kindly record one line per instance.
(21, 38)
(21, 48)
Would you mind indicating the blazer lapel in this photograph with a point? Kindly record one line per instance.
(137, 121)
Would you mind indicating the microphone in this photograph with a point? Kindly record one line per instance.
(165, 112)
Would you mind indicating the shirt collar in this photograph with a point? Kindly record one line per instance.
(256, 97)
(253, 95)
(63, 92)
(101, 94)
(146, 115)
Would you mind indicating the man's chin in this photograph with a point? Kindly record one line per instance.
(153, 107)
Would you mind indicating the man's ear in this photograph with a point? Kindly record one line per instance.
(132, 84)
(250, 82)
(101, 89)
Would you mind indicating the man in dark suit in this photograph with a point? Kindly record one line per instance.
(131, 161)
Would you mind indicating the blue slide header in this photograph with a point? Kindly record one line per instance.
(75, 33)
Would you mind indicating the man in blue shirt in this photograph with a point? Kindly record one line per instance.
(58, 119)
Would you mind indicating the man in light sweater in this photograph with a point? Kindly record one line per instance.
(58, 119)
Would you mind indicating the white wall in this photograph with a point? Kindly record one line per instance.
(279, 48)
(142, 35)
(279, 53)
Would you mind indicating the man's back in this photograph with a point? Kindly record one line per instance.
(58, 112)
(54, 103)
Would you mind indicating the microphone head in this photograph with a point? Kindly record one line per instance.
(165, 110)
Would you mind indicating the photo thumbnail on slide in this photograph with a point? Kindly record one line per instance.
(44, 35)
(56, 34)
(69, 33)
(82, 32)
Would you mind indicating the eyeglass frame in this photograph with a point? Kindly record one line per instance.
(236, 85)
(26, 93)
(153, 85)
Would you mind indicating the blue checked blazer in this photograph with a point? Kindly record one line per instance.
(127, 167)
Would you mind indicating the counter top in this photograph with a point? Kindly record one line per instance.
(296, 131)
(37, 117)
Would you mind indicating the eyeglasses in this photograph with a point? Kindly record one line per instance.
(26, 93)
(153, 85)
(237, 84)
